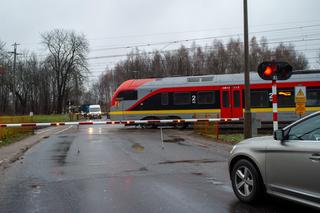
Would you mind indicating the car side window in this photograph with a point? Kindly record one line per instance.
(306, 130)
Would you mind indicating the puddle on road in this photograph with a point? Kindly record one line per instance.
(197, 173)
(36, 188)
(137, 147)
(60, 153)
(190, 161)
(173, 140)
(176, 140)
(141, 169)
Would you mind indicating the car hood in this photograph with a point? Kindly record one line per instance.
(258, 140)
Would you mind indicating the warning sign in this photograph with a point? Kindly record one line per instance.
(300, 108)
(300, 99)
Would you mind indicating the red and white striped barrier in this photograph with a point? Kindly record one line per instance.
(126, 122)
(275, 105)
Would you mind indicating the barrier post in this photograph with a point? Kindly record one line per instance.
(206, 124)
(274, 103)
(161, 137)
(216, 126)
(195, 125)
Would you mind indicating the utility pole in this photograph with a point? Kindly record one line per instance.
(247, 112)
(14, 75)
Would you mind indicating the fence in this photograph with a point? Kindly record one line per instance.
(205, 127)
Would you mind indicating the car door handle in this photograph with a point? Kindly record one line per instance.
(315, 156)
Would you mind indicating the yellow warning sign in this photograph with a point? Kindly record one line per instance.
(300, 108)
(300, 99)
(300, 96)
(300, 93)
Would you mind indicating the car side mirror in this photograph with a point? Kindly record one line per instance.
(279, 135)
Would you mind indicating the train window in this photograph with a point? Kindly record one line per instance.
(203, 79)
(313, 96)
(236, 99)
(260, 98)
(225, 99)
(128, 95)
(206, 97)
(286, 98)
(181, 98)
(164, 98)
(194, 79)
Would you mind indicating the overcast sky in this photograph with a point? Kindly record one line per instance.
(114, 23)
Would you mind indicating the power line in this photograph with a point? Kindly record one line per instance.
(167, 43)
(202, 30)
(272, 41)
(153, 52)
(197, 39)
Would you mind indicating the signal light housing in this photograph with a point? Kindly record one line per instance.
(271, 70)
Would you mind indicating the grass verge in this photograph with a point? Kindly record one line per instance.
(11, 135)
(53, 118)
(231, 139)
(14, 138)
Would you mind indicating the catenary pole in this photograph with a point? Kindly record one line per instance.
(247, 112)
(14, 76)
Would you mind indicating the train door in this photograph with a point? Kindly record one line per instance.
(225, 100)
(231, 102)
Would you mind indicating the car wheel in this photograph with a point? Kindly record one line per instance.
(246, 182)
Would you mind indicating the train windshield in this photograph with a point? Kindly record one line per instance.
(128, 95)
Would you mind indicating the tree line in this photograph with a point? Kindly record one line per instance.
(218, 58)
(46, 85)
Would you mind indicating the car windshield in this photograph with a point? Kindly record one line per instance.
(308, 129)
(97, 109)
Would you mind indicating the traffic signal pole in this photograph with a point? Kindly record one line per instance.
(274, 71)
(275, 103)
(247, 112)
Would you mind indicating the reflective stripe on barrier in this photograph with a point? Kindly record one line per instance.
(125, 122)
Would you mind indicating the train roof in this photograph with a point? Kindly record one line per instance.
(225, 79)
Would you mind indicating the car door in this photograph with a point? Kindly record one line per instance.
(293, 166)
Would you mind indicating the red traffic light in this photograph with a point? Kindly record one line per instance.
(270, 70)
(267, 71)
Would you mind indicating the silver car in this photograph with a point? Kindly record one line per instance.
(286, 165)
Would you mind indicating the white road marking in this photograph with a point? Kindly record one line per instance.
(43, 131)
(56, 133)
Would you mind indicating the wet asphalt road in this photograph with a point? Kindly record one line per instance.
(116, 169)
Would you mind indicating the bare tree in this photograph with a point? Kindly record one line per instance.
(288, 53)
(255, 54)
(67, 61)
(235, 54)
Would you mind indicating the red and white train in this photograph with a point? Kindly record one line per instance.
(211, 96)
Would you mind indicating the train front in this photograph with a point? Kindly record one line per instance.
(125, 98)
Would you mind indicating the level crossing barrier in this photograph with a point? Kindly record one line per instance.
(124, 122)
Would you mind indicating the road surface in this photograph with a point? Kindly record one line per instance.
(117, 169)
